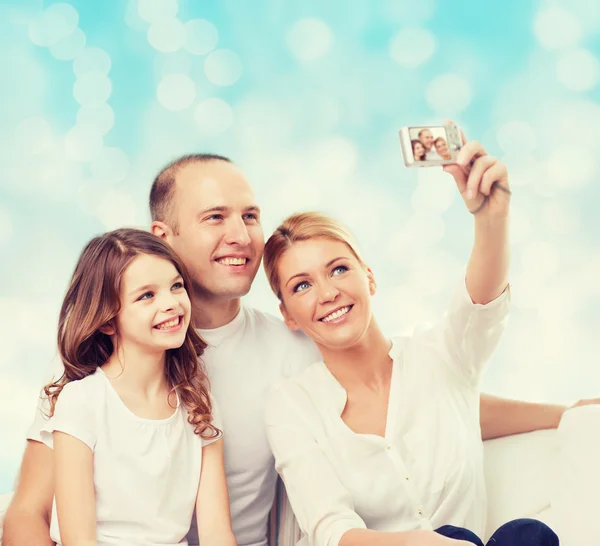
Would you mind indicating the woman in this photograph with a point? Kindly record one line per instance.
(379, 444)
(441, 147)
(418, 149)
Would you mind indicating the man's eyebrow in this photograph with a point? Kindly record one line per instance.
(223, 208)
(220, 208)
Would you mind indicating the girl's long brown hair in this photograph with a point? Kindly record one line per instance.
(93, 300)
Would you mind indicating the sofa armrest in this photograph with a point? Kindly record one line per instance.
(518, 475)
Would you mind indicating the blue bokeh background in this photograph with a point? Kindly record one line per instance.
(307, 98)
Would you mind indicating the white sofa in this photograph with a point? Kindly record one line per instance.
(520, 474)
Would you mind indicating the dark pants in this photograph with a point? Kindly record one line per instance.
(519, 532)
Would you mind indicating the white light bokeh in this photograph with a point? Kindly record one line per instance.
(523, 170)
(179, 62)
(586, 12)
(201, 36)
(110, 165)
(435, 191)
(33, 136)
(336, 157)
(153, 11)
(423, 230)
(516, 137)
(91, 59)
(261, 123)
(407, 11)
(98, 119)
(575, 121)
(309, 39)
(6, 225)
(54, 175)
(410, 310)
(431, 271)
(82, 144)
(92, 89)
(556, 28)
(176, 92)
(449, 94)
(213, 116)
(132, 17)
(56, 22)
(116, 209)
(68, 48)
(167, 35)
(520, 226)
(305, 192)
(561, 218)
(223, 67)
(578, 70)
(527, 292)
(540, 259)
(412, 47)
(571, 166)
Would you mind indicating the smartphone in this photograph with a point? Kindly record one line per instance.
(428, 146)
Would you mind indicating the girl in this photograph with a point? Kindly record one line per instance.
(418, 150)
(136, 437)
(380, 443)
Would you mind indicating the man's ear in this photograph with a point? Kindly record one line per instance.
(372, 282)
(160, 229)
(108, 329)
(289, 321)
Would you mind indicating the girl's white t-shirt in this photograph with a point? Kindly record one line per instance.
(146, 472)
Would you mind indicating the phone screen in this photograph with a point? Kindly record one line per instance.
(429, 143)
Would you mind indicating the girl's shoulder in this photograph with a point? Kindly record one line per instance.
(86, 388)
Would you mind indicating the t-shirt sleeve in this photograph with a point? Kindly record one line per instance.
(42, 411)
(466, 337)
(217, 422)
(322, 504)
(72, 415)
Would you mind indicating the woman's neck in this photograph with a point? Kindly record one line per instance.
(136, 370)
(366, 362)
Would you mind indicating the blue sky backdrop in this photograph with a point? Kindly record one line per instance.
(307, 97)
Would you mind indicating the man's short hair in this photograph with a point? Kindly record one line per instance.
(421, 132)
(163, 187)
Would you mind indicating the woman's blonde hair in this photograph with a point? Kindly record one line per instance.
(302, 227)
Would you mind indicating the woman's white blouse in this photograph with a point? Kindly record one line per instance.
(428, 470)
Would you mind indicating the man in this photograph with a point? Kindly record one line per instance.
(426, 138)
(204, 207)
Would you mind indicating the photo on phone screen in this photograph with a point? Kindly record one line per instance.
(429, 143)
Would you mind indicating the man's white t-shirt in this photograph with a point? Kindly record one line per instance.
(243, 360)
(146, 471)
